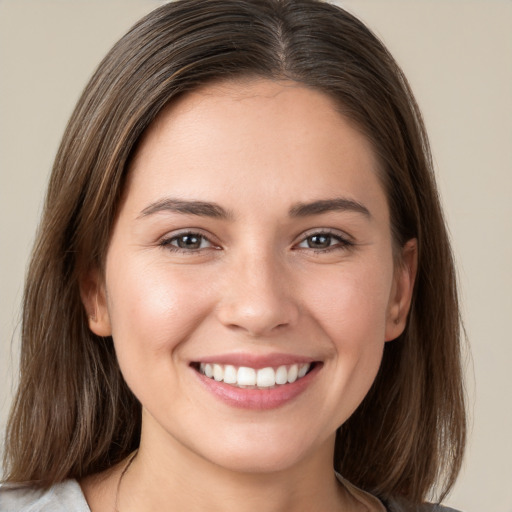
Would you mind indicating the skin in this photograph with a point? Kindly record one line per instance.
(255, 285)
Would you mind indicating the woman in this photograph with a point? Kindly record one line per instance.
(242, 273)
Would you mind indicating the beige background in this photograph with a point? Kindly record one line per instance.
(458, 57)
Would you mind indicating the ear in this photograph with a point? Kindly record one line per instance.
(94, 299)
(401, 293)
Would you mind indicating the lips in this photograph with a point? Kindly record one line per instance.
(256, 382)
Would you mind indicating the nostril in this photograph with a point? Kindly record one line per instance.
(257, 312)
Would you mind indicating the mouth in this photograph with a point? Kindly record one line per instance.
(252, 382)
(246, 377)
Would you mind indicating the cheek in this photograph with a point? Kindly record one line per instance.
(351, 305)
(153, 308)
(351, 310)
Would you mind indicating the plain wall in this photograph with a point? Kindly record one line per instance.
(457, 55)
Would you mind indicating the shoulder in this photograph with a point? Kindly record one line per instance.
(65, 496)
(392, 505)
(398, 505)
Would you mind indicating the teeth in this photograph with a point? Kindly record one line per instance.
(249, 377)
(303, 369)
(246, 376)
(281, 375)
(266, 378)
(218, 372)
(292, 373)
(230, 374)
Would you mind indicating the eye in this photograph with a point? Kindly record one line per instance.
(324, 241)
(186, 242)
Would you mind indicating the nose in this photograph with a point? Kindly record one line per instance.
(258, 297)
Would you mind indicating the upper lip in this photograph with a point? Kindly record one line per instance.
(255, 361)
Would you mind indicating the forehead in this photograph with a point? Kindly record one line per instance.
(255, 136)
(231, 106)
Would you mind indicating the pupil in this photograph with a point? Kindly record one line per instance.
(189, 242)
(319, 241)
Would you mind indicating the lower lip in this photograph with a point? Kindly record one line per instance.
(258, 399)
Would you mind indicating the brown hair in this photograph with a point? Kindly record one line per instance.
(73, 414)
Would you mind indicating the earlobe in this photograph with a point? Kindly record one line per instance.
(401, 296)
(94, 299)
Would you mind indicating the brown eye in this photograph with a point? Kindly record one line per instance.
(319, 241)
(187, 242)
(324, 241)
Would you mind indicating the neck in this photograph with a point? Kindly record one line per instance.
(168, 476)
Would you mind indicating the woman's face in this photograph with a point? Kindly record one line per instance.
(252, 243)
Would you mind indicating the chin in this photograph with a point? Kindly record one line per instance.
(258, 461)
(258, 450)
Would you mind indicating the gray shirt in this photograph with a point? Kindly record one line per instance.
(67, 496)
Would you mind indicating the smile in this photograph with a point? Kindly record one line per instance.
(252, 378)
(257, 382)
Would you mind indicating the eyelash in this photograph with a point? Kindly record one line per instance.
(342, 243)
(167, 243)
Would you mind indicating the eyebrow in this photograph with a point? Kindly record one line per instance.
(200, 208)
(213, 210)
(328, 205)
